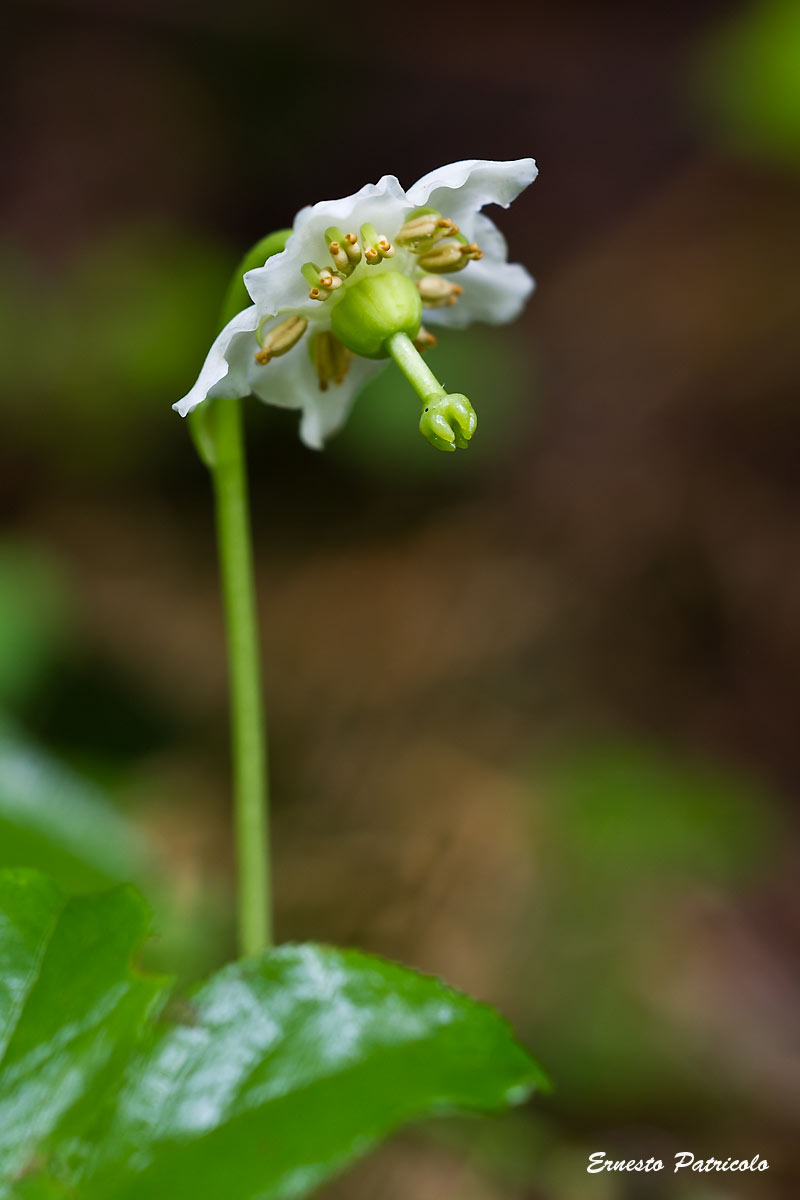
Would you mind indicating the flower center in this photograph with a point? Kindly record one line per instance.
(435, 243)
(432, 247)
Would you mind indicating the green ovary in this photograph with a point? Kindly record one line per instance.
(373, 309)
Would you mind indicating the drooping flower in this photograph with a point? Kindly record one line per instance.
(348, 292)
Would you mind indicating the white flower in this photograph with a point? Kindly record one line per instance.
(281, 348)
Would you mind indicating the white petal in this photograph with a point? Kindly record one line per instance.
(290, 381)
(328, 411)
(494, 291)
(491, 241)
(225, 369)
(279, 284)
(465, 187)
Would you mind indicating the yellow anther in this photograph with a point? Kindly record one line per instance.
(421, 233)
(424, 340)
(379, 249)
(376, 246)
(321, 280)
(331, 360)
(328, 281)
(450, 256)
(340, 259)
(337, 247)
(352, 248)
(437, 292)
(417, 230)
(280, 339)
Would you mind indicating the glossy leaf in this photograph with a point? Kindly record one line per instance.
(291, 1065)
(269, 1078)
(71, 1008)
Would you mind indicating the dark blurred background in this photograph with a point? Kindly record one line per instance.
(534, 708)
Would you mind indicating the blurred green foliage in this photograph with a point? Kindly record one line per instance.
(626, 836)
(382, 439)
(54, 820)
(33, 619)
(64, 817)
(748, 78)
(50, 817)
(107, 339)
(626, 816)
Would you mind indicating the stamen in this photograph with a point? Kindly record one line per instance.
(470, 248)
(280, 339)
(323, 281)
(310, 273)
(424, 229)
(329, 280)
(424, 340)
(376, 246)
(352, 248)
(437, 292)
(331, 359)
(337, 247)
(340, 259)
(417, 230)
(450, 256)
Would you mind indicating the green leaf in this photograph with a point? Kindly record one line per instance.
(270, 1077)
(71, 1008)
(293, 1064)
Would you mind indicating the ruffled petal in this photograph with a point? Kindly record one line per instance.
(494, 290)
(225, 370)
(279, 284)
(465, 187)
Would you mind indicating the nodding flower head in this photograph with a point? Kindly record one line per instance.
(350, 291)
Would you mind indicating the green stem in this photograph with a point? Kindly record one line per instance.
(248, 728)
(405, 354)
(217, 429)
